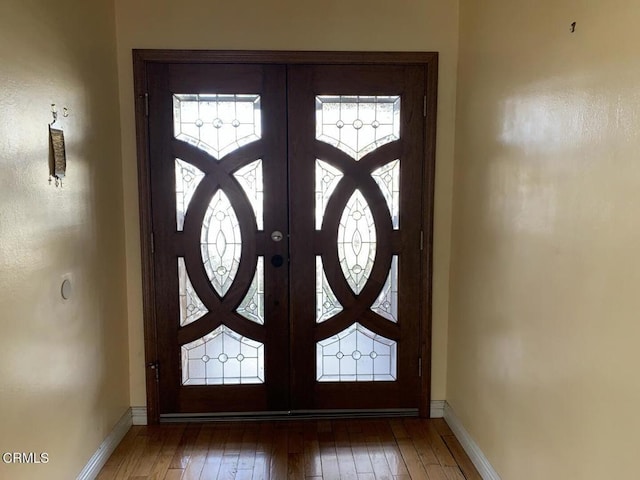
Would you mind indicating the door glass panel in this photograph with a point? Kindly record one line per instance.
(356, 355)
(188, 178)
(222, 357)
(327, 305)
(386, 304)
(388, 179)
(252, 307)
(250, 179)
(327, 179)
(357, 125)
(221, 244)
(217, 124)
(191, 307)
(357, 242)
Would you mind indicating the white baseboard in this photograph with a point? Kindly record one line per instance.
(437, 408)
(139, 415)
(481, 463)
(106, 448)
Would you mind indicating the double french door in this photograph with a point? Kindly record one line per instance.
(287, 226)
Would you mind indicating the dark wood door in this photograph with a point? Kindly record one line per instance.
(355, 163)
(217, 141)
(287, 216)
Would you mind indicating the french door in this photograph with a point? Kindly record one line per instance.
(285, 206)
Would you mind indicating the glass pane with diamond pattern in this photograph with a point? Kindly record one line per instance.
(250, 179)
(357, 242)
(221, 244)
(388, 179)
(357, 125)
(217, 124)
(327, 305)
(252, 306)
(327, 179)
(356, 355)
(188, 178)
(191, 307)
(386, 304)
(222, 357)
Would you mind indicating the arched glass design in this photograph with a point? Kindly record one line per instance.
(188, 177)
(252, 306)
(191, 307)
(356, 355)
(217, 124)
(222, 357)
(355, 124)
(327, 305)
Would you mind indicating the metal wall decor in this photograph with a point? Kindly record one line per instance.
(58, 155)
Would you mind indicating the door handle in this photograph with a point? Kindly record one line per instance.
(277, 261)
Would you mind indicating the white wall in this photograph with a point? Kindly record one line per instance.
(63, 365)
(544, 326)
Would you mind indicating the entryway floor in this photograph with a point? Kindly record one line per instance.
(360, 449)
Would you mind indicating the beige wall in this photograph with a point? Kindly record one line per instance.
(417, 25)
(63, 365)
(544, 330)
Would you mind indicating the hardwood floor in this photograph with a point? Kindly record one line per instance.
(393, 449)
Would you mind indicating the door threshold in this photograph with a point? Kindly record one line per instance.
(287, 415)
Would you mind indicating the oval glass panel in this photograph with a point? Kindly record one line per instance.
(357, 242)
(221, 243)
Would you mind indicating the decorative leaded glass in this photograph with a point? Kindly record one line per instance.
(221, 243)
(357, 125)
(217, 124)
(388, 179)
(356, 355)
(327, 178)
(327, 305)
(387, 302)
(250, 179)
(188, 178)
(252, 307)
(222, 357)
(191, 307)
(357, 242)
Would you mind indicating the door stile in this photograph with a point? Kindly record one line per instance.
(302, 239)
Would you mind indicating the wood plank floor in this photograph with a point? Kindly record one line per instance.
(393, 449)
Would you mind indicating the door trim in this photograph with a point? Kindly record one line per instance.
(143, 57)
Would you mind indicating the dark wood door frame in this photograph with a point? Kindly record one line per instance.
(142, 59)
